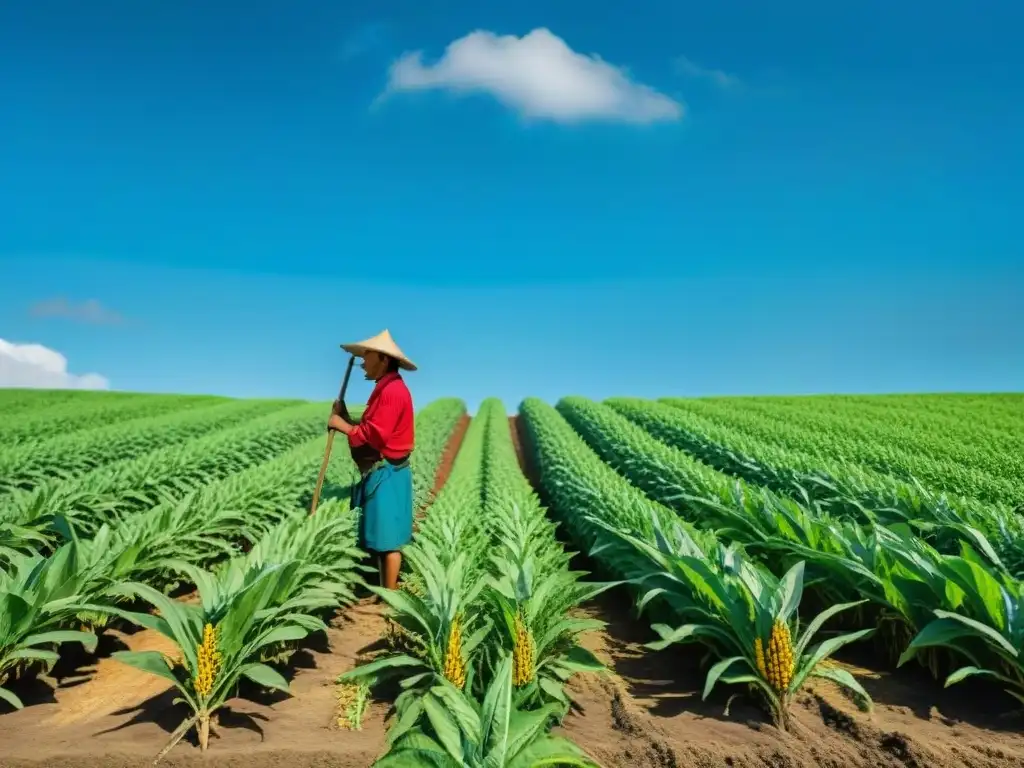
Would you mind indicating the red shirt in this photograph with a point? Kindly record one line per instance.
(387, 423)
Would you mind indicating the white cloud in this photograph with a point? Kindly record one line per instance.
(716, 76)
(37, 367)
(539, 76)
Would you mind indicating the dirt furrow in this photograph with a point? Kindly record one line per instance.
(120, 717)
(444, 468)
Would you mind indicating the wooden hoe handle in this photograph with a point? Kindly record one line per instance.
(330, 442)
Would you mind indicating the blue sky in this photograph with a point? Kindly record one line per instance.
(598, 199)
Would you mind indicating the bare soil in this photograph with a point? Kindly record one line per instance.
(444, 469)
(646, 711)
(519, 441)
(110, 716)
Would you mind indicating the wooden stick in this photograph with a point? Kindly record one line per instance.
(330, 442)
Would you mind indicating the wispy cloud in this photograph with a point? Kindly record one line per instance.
(537, 75)
(718, 77)
(90, 311)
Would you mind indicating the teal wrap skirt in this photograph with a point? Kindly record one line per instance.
(385, 495)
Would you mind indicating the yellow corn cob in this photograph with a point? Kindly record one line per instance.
(522, 654)
(208, 662)
(454, 666)
(777, 666)
(759, 656)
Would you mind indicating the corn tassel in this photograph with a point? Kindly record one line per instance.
(454, 666)
(522, 654)
(208, 662)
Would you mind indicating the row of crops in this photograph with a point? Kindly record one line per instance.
(482, 638)
(113, 526)
(730, 531)
(968, 457)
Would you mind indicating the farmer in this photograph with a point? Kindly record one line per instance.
(380, 445)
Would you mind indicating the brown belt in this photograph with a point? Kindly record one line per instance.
(367, 459)
(400, 464)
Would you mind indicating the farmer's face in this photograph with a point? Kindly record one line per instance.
(375, 365)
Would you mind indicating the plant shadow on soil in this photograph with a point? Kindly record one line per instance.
(161, 710)
(648, 713)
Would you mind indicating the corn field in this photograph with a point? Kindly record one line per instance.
(769, 537)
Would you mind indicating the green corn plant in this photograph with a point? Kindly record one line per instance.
(329, 563)
(845, 562)
(533, 610)
(448, 728)
(747, 618)
(17, 540)
(219, 640)
(532, 593)
(38, 597)
(324, 545)
(982, 621)
(442, 628)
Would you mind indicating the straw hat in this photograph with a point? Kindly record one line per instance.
(384, 344)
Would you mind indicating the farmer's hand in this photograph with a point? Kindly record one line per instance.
(341, 409)
(337, 424)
